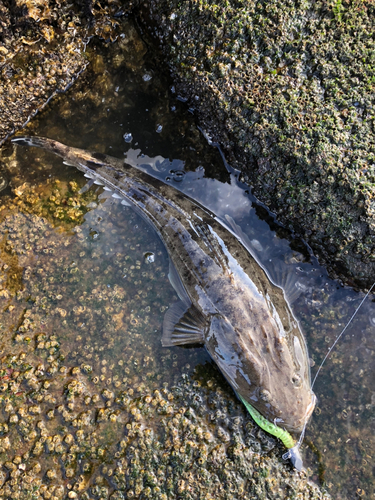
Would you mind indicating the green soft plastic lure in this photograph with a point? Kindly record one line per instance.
(268, 426)
(282, 434)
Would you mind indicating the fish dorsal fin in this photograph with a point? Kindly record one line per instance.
(285, 277)
(277, 271)
(183, 324)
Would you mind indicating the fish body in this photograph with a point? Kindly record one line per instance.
(227, 301)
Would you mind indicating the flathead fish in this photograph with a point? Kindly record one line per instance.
(227, 301)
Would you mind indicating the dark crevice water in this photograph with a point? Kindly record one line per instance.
(99, 263)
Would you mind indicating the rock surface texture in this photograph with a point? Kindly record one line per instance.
(42, 46)
(288, 89)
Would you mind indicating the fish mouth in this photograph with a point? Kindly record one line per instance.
(310, 407)
(300, 424)
(309, 411)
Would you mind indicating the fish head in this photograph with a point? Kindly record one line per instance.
(288, 402)
(284, 395)
(270, 371)
(298, 400)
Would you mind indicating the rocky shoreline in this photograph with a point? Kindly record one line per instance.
(287, 91)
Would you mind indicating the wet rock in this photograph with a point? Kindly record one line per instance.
(97, 408)
(288, 91)
(42, 52)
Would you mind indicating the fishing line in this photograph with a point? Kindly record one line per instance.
(341, 334)
(295, 448)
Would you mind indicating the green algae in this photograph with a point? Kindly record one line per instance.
(62, 204)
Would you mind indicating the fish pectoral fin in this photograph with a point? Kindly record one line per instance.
(279, 272)
(183, 324)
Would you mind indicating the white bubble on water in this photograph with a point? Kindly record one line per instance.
(128, 137)
(149, 257)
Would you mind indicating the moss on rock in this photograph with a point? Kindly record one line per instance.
(288, 88)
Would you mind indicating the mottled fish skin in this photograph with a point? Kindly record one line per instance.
(227, 300)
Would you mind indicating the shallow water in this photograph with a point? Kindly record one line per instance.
(86, 296)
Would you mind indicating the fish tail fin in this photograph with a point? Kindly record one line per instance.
(42, 142)
(39, 142)
(79, 158)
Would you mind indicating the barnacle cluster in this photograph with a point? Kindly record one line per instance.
(91, 404)
(42, 52)
(288, 89)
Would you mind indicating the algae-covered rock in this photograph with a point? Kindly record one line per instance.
(42, 45)
(91, 404)
(288, 89)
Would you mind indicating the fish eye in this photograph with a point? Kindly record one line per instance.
(296, 380)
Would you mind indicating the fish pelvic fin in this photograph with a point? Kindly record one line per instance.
(183, 325)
